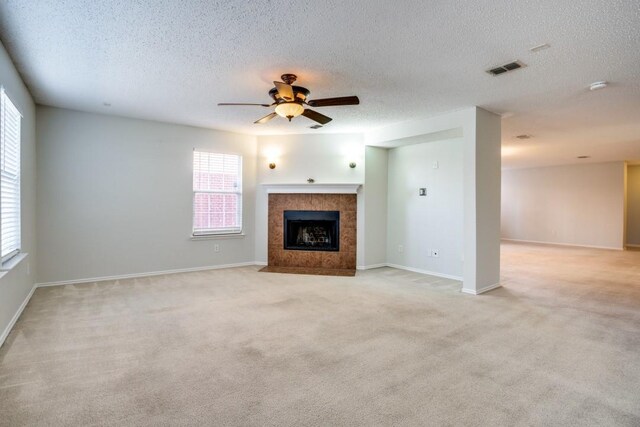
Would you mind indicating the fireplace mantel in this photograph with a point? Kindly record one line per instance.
(312, 188)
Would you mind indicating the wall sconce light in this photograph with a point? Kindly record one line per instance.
(272, 165)
(352, 165)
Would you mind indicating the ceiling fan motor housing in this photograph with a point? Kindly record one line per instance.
(289, 78)
(300, 94)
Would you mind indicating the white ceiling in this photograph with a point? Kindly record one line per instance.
(174, 61)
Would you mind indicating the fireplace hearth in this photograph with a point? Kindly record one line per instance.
(311, 230)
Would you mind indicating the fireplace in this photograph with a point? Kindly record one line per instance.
(324, 248)
(311, 230)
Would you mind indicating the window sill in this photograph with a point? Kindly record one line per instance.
(218, 236)
(13, 262)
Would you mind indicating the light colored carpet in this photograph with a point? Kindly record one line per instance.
(558, 345)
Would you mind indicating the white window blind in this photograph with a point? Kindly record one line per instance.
(217, 193)
(9, 177)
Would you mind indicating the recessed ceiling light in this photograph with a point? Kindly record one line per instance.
(598, 85)
(540, 47)
(583, 157)
(523, 136)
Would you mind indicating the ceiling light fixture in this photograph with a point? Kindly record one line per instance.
(540, 47)
(583, 157)
(523, 136)
(291, 101)
(289, 110)
(598, 85)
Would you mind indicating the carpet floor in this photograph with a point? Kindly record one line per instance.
(559, 344)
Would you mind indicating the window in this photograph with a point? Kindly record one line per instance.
(217, 193)
(9, 178)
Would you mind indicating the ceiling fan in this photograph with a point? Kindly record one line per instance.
(290, 102)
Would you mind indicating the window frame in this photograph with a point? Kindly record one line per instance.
(17, 250)
(229, 231)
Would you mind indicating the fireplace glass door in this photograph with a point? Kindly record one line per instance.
(312, 230)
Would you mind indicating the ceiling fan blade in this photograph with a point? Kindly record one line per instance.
(331, 102)
(315, 116)
(265, 119)
(284, 90)
(232, 103)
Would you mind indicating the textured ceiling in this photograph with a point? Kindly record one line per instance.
(174, 61)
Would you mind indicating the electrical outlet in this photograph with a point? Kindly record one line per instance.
(216, 248)
(400, 248)
(435, 165)
(435, 253)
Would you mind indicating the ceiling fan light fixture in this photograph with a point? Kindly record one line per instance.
(598, 85)
(289, 110)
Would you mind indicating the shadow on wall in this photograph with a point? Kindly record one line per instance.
(633, 205)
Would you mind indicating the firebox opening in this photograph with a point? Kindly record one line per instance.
(312, 230)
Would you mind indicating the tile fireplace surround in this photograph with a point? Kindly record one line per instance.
(344, 259)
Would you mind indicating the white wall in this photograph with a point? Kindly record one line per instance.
(574, 204)
(435, 222)
(375, 206)
(633, 205)
(113, 202)
(480, 133)
(16, 284)
(482, 196)
(115, 194)
(323, 157)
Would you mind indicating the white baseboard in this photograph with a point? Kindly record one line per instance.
(371, 266)
(430, 273)
(260, 263)
(537, 242)
(148, 274)
(16, 316)
(481, 291)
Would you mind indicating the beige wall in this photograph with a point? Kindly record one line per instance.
(418, 225)
(323, 157)
(574, 204)
(115, 196)
(479, 131)
(16, 284)
(633, 205)
(375, 202)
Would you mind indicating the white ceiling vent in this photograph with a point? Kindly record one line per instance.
(496, 71)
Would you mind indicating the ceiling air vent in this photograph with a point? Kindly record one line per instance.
(506, 68)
